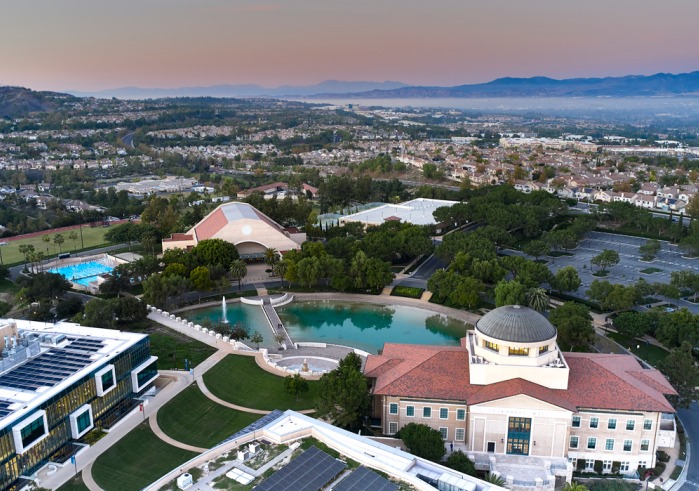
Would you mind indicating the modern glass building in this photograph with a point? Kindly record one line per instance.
(60, 381)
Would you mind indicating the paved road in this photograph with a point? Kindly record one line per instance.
(127, 140)
(690, 419)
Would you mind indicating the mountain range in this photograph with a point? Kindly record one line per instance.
(660, 84)
(18, 101)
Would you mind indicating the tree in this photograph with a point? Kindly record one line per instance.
(73, 237)
(573, 486)
(461, 463)
(685, 280)
(509, 293)
(423, 441)
(44, 286)
(238, 270)
(343, 394)
(271, 257)
(257, 339)
(632, 324)
(58, 239)
(308, 271)
(467, 292)
(649, 250)
(279, 269)
(148, 241)
(494, 479)
(200, 278)
(295, 384)
(574, 324)
(605, 259)
(692, 208)
(566, 279)
(536, 248)
(537, 299)
(46, 239)
(682, 372)
(215, 251)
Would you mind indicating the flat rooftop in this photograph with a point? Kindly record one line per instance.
(42, 359)
(417, 211)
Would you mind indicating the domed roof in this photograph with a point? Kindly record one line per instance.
(516, 324)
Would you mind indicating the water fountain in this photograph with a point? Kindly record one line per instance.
(304, 367)
(224, 319)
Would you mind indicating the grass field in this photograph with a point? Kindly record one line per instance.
(172, 348)
(92, 237)
(649, 352)
(238, 380)
(193, 418)
(137, 460)
(74, 484)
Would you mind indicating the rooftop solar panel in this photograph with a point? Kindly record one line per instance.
(46, 369)
(5, 408)
(363, 479)
(310, 471)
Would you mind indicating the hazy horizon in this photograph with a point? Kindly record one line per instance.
(83, 45)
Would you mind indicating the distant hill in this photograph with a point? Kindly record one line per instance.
(327, 87)
(661, 84)
(18, 101)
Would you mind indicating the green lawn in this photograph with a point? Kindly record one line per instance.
(137, 460)
(193, 418)
(6, 286)
(74, 484)
(172, 348)
(649, 352)
(238, 379)
(600, 274)
(650, 270)
(92, 237)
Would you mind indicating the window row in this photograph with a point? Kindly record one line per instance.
(612, 423)
(459, 434)
(606, 465)
(608, 444)
(427, 412)
(513, 351)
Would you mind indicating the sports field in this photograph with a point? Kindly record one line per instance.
(91, 237)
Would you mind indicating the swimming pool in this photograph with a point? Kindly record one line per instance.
(82, 273)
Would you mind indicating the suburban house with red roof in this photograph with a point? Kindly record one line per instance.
(521, 408)
(248, 229)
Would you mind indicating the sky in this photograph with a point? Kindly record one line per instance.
(99, 44)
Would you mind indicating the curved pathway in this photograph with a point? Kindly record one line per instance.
(220, 401)
(153, 422)
(88, 480)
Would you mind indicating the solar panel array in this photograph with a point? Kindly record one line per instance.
(5, 408)
(52, 366)
(363, 479)
(310, 471)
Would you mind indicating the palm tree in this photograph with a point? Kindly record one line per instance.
(537, 299)
(238, 270)
(573, 486)
(495, 479)
(271, 257)
(46, 239)
(73, 236)
(148, 241)
(279, 269)
(58, 239)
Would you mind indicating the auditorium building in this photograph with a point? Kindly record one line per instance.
(58, 382)
(520, 407)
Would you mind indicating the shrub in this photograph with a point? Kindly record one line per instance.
(662, 456)
(407, 291)
(599, 466)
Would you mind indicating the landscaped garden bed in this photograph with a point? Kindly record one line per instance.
(407, 291)
(650, 270)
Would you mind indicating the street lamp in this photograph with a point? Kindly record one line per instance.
(3, 243)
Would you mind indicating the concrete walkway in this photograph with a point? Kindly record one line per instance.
(220, 401)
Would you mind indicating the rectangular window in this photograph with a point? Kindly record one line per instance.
(392, 428)
(647, 424)
(461, 414)
(491, 346)
(611, 424)
(576, 422)
(589, 464)
(607, 465)
(642, 463)
(645, 445)
(393, 408)
(543, 349)
(83, 421)
(609, 444)
(518, 351)
(574, 441)
(410, 411)
(33, 431)
(443, 413)
(426, 412)
(444, 432)
(591, 443)
(624, 467)
(107, 380)
(460, 434)
(627, 445)
(630, 424)
(594, 422)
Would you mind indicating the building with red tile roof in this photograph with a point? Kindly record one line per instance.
(508, 394)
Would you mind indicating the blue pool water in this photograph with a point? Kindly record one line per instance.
(363, 326)
(82, 273)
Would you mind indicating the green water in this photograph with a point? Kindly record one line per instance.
(359, 325)
(368, 326)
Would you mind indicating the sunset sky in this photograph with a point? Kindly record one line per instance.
(96, 44)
